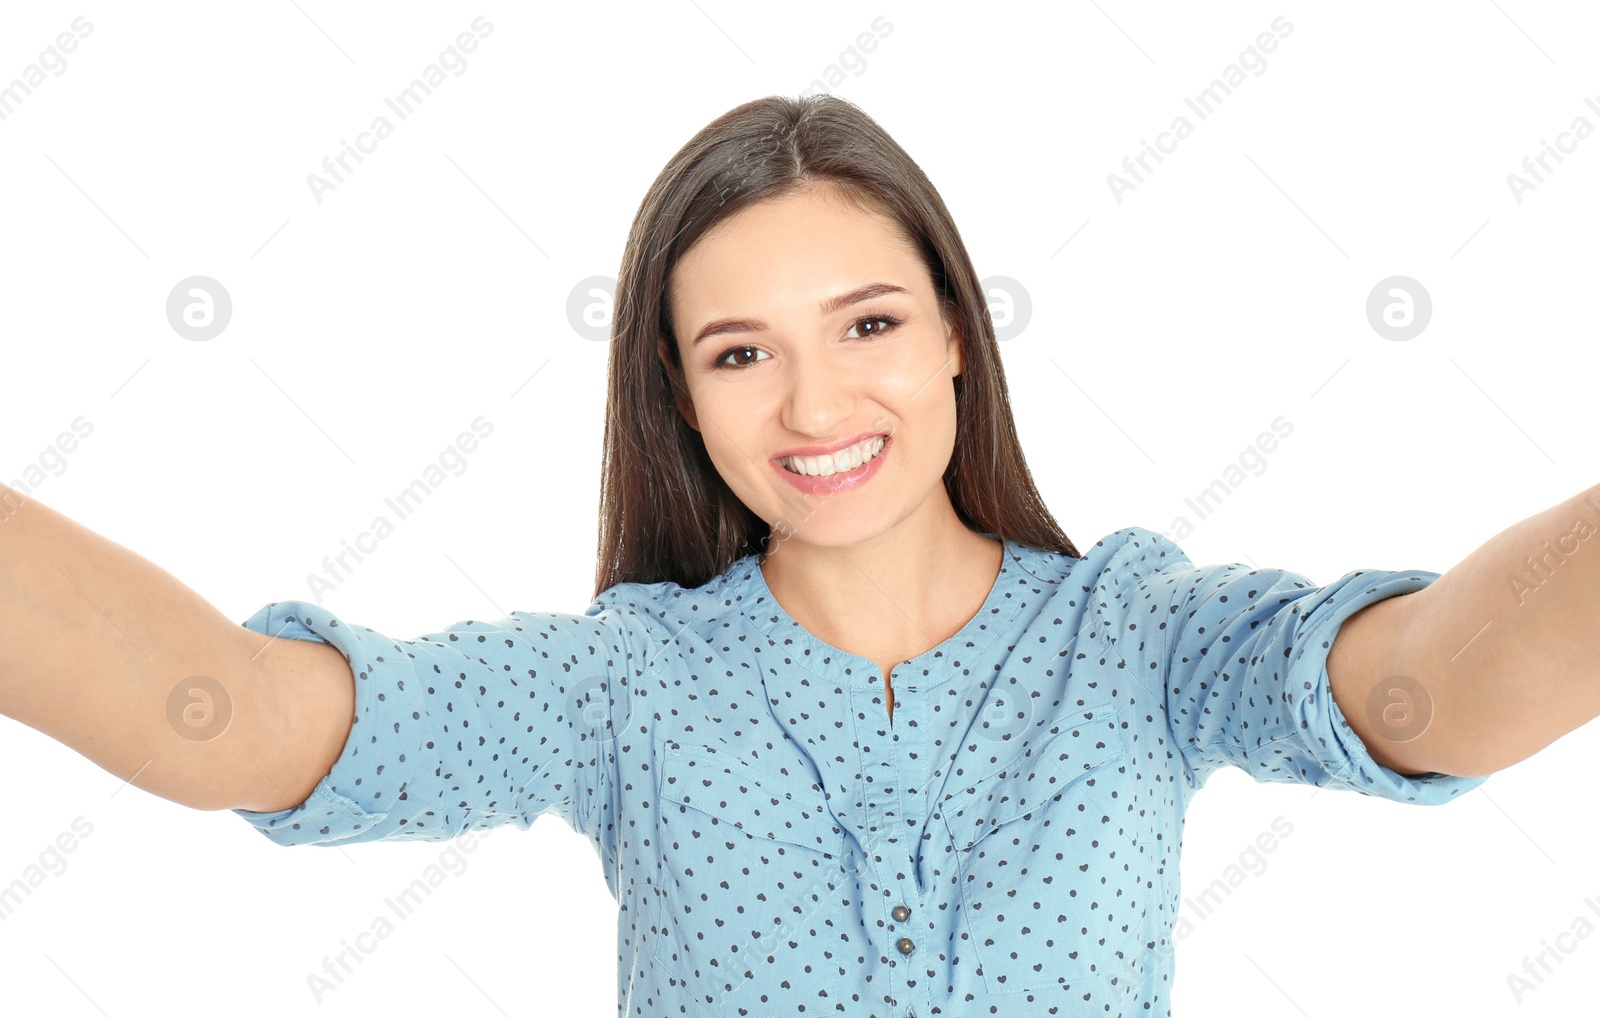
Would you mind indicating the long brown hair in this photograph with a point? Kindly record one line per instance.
(665, 512)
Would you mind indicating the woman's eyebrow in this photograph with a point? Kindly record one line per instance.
(725, 326)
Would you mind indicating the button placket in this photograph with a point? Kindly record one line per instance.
(904, 740)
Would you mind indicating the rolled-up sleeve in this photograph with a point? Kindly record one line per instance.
(481, 724)
(1243, 657)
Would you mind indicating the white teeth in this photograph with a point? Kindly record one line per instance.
(843, 460)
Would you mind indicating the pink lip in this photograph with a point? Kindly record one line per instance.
(828, 450)
(834, 482)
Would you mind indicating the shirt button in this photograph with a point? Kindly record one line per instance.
(901, 913)
(905, 945)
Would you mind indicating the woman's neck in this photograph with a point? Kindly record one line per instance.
(888, 599)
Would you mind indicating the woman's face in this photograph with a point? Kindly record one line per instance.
(785, 349)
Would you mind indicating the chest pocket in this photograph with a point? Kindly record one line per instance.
(752, 867)
(1049, 879)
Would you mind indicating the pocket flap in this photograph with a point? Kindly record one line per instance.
(735, 792)
(1035, 777)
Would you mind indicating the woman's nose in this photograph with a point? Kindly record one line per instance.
(820, 395)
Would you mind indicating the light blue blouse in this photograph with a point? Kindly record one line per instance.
(776, 846)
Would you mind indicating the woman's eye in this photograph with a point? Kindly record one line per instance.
(889, 320)
(722, 362)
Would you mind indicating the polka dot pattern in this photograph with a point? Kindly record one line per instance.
(1008, 845)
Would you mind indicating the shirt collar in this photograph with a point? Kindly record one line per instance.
(943, 663)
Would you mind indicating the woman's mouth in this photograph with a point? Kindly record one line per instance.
(848, 468)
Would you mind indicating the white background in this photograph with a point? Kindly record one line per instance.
(368, 330)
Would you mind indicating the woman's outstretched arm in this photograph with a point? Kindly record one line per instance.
(1490, 663)
(111, 655)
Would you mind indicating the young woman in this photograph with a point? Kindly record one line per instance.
(852, 725)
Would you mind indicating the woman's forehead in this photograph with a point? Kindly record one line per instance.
(794, 249)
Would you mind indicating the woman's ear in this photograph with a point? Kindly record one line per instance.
(685, 405)
(952, 346)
